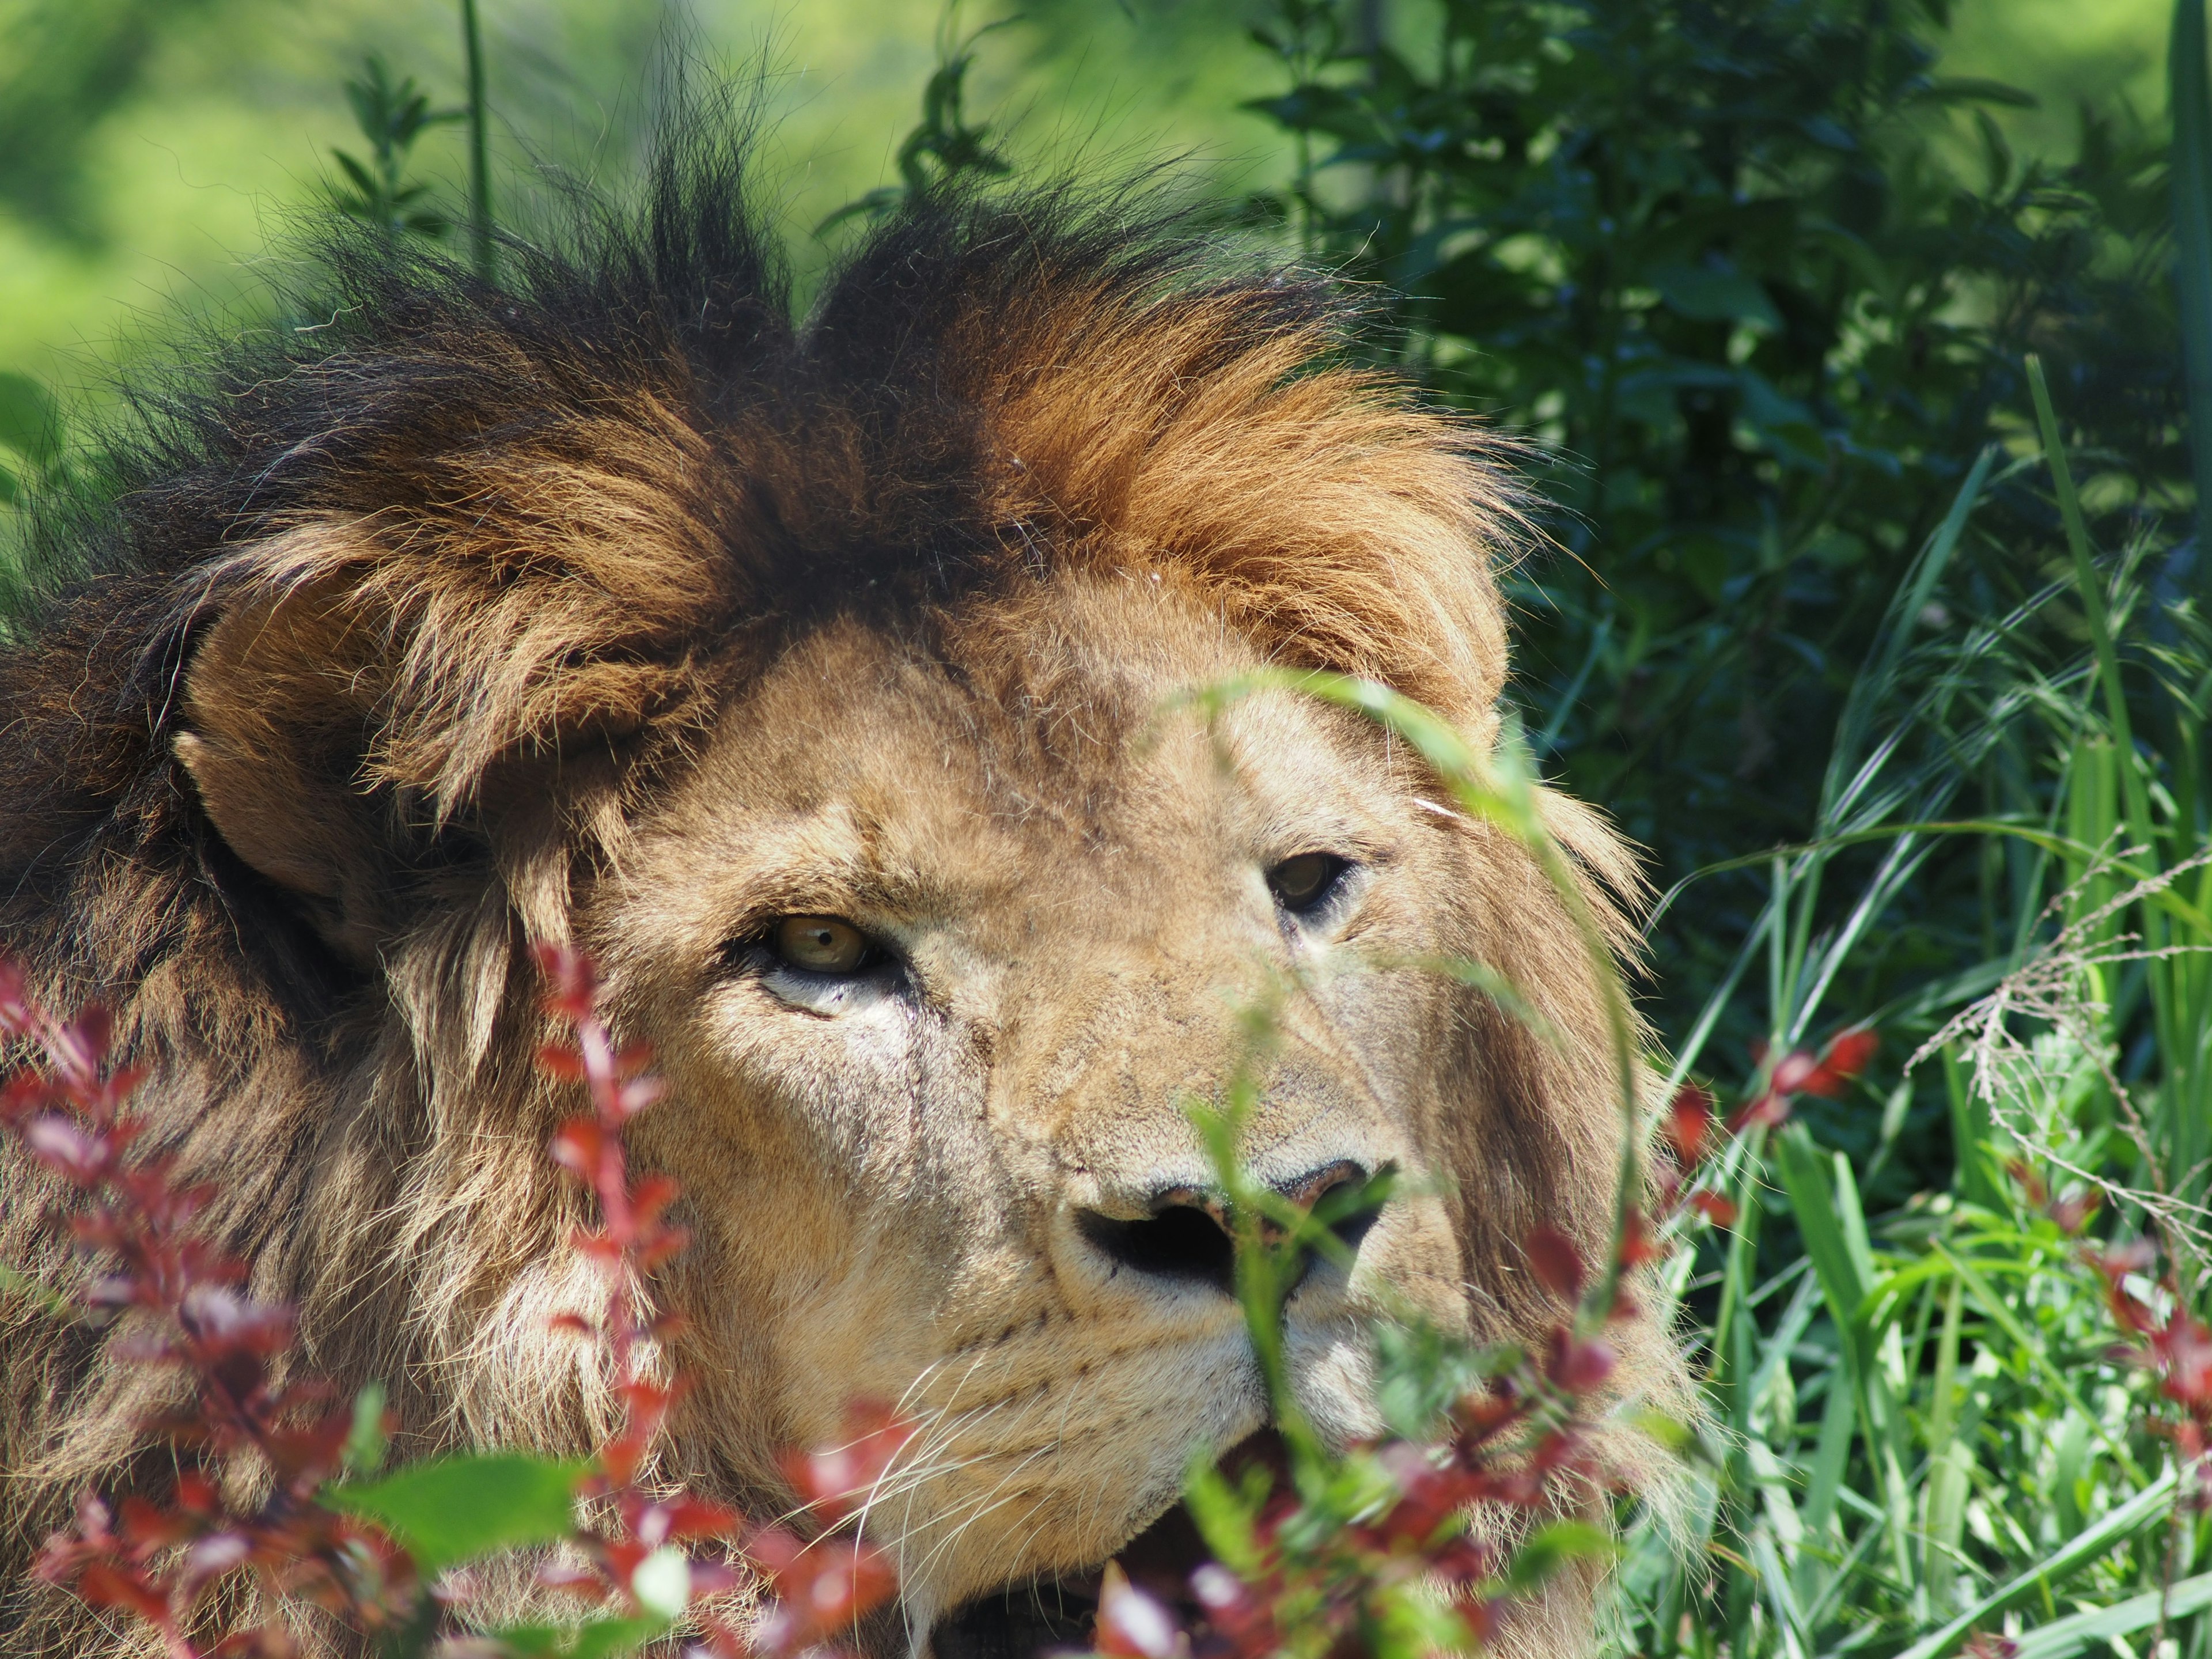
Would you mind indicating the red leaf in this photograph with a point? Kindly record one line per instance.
(15, 1012)
(572, 989)
(560, 1061)
(143, 1527)
(2072, 1212)
(578, 1145)
(101, 1585)
(1717, 1209)
(215, 1555)
(1688, 1124)
(1232, 1609)
(2183, 1352)
(650, 1194)
(68, 1148)
(79, 1047)
(1847, 1056)
(1555, 1261)
(1637, 1248)
(834, 1480)
(1769, 1110)
(1577, 1364)
(691, 1517)
(638, 1094)
(2027, 1180)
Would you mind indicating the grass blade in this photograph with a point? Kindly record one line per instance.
(2066, 1636)
(2091, 586)
(2123, 1523)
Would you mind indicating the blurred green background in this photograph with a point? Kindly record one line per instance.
(150, 150)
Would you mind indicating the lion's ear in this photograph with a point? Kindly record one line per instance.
(356, 695)
(272, 738)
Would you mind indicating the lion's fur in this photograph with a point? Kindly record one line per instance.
(436, 626)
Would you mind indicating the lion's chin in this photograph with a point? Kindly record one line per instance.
(1044, 1616)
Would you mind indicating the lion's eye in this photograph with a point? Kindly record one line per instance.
(820, 944)
(1301, 883)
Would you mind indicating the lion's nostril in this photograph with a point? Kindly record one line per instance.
(1309, 1189)
(1182, 1239)
(1189, 1235)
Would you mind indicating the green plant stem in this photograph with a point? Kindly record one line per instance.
(2191, 175)
(480, 245)
(2093, 606)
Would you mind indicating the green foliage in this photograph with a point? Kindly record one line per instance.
(944, 146)
(1926, 1428)
(1713, 261)
(457, 1508)
(391, 116)
(595, 1639)
(2192, 101)
(479, 117)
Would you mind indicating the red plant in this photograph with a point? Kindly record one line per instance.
(156, 1558)
(1521, 1440)
(2175, 1346)
(1800, 1071)
(819, 1588)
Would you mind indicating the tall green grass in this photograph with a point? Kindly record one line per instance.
(1920, 1433)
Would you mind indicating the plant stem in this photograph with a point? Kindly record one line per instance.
(2191, 175)
(2093, 609)
(480, 248)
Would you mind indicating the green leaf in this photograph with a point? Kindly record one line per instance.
(365, 1444)
(599, 1639)
(1713, 293)
(2067, 1637)
(1813, 1203)
(1553, 1546)
(2191, 94)
(456, 1508)
(2153, 1503)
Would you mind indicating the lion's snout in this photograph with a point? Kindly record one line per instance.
(1186, 1235)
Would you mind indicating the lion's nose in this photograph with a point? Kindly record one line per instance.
(1188, 1234)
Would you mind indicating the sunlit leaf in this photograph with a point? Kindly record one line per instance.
(456, 1508)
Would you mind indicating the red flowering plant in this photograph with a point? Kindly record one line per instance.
(380, 1556)
(1377, 1551)
(181, 1301)
(2160, 1334)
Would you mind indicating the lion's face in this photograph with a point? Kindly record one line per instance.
(938, 950)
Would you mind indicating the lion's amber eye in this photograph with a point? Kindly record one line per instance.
(1301, 882)
(820, 944)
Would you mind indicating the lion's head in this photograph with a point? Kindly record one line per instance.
(822, 682)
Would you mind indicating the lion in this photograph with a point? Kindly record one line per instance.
(820, 678)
